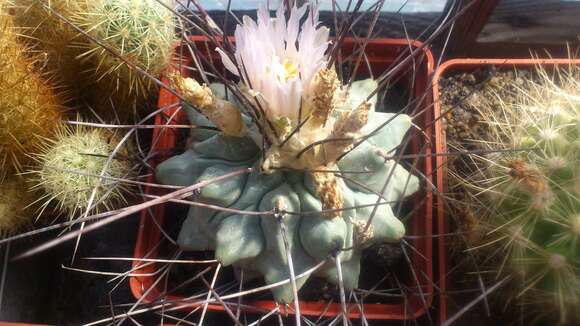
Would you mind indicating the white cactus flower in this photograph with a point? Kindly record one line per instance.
(278, 58)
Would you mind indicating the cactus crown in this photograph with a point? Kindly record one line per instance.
(71, 165)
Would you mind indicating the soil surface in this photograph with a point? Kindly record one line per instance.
(462, 94)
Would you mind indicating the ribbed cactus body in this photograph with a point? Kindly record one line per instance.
(255, 243)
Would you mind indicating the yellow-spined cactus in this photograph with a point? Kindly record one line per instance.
(14, 201)
(52, 37)
(142, 32)
(71, 166)
(96, 65)
(528, 194)
(29, 106)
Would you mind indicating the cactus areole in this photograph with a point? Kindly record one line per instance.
(316, 190)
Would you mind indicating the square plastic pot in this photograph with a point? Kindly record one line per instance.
(380, 54)
(444, 70)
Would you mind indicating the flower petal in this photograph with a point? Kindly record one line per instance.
(227, 62)
(270, 49)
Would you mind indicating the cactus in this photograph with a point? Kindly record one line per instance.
(308, 201)
(14, 201)
(70, 169)
(140, 31)
(255, 243)
(56, 40)
(532, 194)
(29, 105)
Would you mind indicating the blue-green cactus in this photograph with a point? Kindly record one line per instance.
(255, 243)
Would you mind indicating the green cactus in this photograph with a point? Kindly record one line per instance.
(59, 47)
(140, 31)
(532, 194)
(70, 167)
(255, 243)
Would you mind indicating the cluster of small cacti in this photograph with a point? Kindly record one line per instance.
(530, 190)
(69, 162)
(29, 109)
(99, 66)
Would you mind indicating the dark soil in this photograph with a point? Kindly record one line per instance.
(462, 93)
(40, 290)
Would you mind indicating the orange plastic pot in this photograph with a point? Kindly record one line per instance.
(446, 69)
(381, 54)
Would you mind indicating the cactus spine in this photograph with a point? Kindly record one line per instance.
(51, 36)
